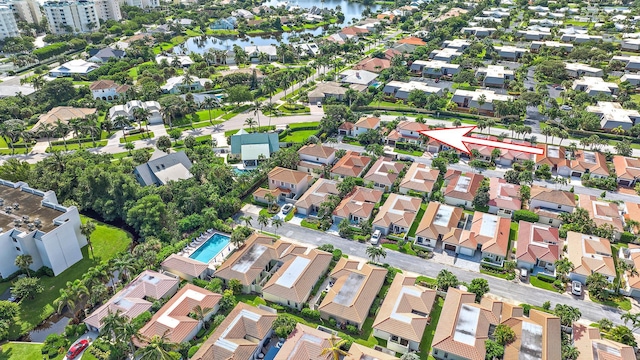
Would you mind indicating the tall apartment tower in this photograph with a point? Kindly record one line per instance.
(108, 10)
(143, 4)
(8, 25)
(71, 16)
(26, 10)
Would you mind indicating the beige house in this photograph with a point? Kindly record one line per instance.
(355, 286)
(459, 188)
(383, 174)
(285, 183)
(589, 254)
(365, 124)
(419, 178)
(404, 314)
(631, 255)
(550, 204)
(241, 335)
(603, 213)
(357, 206)
(539, 246)
(537, 336)
(319, 192)
(305, 342)
(397, 214)
(314, 158)
(587, 340)
(627, 170)
(64, 114)
(292, 283)
(436, 223)
(352, 164)
(185, 267)
(361, 352)
(487, 233)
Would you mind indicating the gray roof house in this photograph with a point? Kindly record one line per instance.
(250, 147)
(104, 54)
(162, 168)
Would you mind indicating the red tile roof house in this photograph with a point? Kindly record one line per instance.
(589, 254)
(632, 211)
(592, 347)
(404, 314)
(383, 174)
(585, 162)
(419, 178)
(627, 170)
(375, 65)
(351, 164)
(549, 204)
(460, 189)
(504, 198)
(603, 212)
(319, 192)
(357, 206)
(365, 124)
(488, 233)
(406, 132)
(306, 342)
(507, 157)
(631, 256)
(173, 322)
(438, 221)
(284, 183)
(397, 214)
(539, 247)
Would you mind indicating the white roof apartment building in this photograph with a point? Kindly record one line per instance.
(8, 25)
(469, 99)
(401, 90)
(632, 62)
(576, 70)
(495, 75)
(613, 115)
(537, 45)
(26, 10)
(510, 52)
(33, 223)
(71, 16)
(594, 86)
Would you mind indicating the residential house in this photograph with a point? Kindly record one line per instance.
(412, 40)
(74, 67)
(478, 31)
(533, 35)
(612, 115)
(361, 352)
(404, 314)
(107, 90)
(397, 214)
(128, 110)
(292, 283)
(241, 335)
(365, 124)
(630, 45)
(63, 114)
(357, 206)
(242, 13)
(466, 99)
(319, 192)
(585, 162)
(537, 45)
(495, 75)
(355, 286)
(315, 157)
(537, 336)
(352, 164)
(284, 184)
(549, 204)
(487, 233)
(383, 174)
(554, 156)
(504, 198)
(327, 89)
(361, 79)
(633, 79)
(453, 12)
(632, 62)
(460, 189)
(434, 68)
(512, 53)
(186, 268)
(252, 148)
(420, 178)
(631, 256)
(406, 132)
(135, 298)
(580, 38)
(254, 51)
(447, 54)
(539, 247)
(306, 342)
(627, 170)
(173, 322)
(163, 168)
(591, 346)
(576, 70)
(506, 157)
(632, 212)
(439, 221)
(594, 86)
(103, 55)
(374, 65)
(228, 23)
(183, 61)
(401, 90)
(177, 85)
(34, 223)
(602, 212)
(589, 254)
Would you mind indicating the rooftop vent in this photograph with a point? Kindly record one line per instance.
(16, 206)
(8, 209)
(37, 222)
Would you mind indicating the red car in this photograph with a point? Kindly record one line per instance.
(77, 348)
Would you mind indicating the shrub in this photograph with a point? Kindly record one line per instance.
(526, 308)
(525, 215)
(546, 305)
(53, 343)
(352, 329)
(332, 322)
(627, 237)
(141, 319)
(546, 278)
(311, 314)
(193, 350)
(558, 284)
(44, 271)
(337, 254)
(326, 247)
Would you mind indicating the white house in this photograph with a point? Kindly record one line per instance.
(478, 31)
(73, 67)
(537, 45)
(576, 70)
(495, 75)
(401, 90)
(632, 62)
(594, 86)
(469, 99)
(176, 85)
(510, 52)
(107, 90)
(127, 110)
(612, 115)
(434, 68)
(365, 124)
(33, 223)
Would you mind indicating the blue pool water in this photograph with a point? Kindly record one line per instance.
(240, 171)
(210, 248)
(271, 354)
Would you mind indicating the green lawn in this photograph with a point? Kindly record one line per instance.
(299, 136)
(107, 242)
(541, 284)
(408, 152)
(416, 222)
(204, 114)
(23, 351)
(429, 332)
(406, 249)
(506, 276)
(620, 302)
(513, 231)
(399, 105)
(253, 300)
(75, 146)
(309, 225)
(303, 125)
(136, 137)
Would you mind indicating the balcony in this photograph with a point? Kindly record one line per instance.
(398, 344)
(490, 260)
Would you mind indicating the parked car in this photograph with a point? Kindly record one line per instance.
(286, 208)
(406, 158)
(523, 274)
(319, 104)
(576, 288)
(375, 238)
(77, 348)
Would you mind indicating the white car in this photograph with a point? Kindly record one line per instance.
(576, 288)
(319, 104)
(375, 238)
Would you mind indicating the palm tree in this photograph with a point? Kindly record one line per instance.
(158, 348)
(263, 220)
(87, 229)
(250, 122)
(91, 127)
(66, 298)
(23, 262)
(201, 314)
(76, 126)
(37, 82)
(121, 121)
(623, 268)
(375, 253)
(124, 265)
(61, 129)
(140, 115)
(257, 107)
(563, 267)
(47, 131)
(78, 289)
(113, 322)
(276, 222)
(210, 103)
(335, 349)
(247, 220)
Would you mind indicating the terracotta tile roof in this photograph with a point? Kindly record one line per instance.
(347, 126)
(361, 352)
(626, 167)
(297, 276)
(593, 161)
(438, 219)
(356, 286)
(352, 30)
(173, 321)
(412, 40)
(398, 210)
(420, 177)
(552, 156)
(184, 265)
(538, 242)
(631, 256)
(238, 336)
(368, 122)
(351, 164)
(315, 150)
(558, 197)
(587, 340)
(538, 336)
(102, 85)
(131, 301)
(490, 231)
(590, 254)
(504, 195)
(632, 212)
(287, 175)
(465, 329)
(262, 192)
(461, 186)
(391, 53)
(412, 126)
(318, 193)
(305, 343)
(384, 172)
(405, 311)
(373, 64)
(602, 212)
(359, 203)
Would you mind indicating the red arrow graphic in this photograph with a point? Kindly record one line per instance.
(457, 138)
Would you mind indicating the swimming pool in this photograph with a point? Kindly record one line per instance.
(211, 248)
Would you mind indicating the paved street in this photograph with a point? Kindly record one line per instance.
(519, 293)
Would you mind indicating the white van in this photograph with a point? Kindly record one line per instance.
(375, 238)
